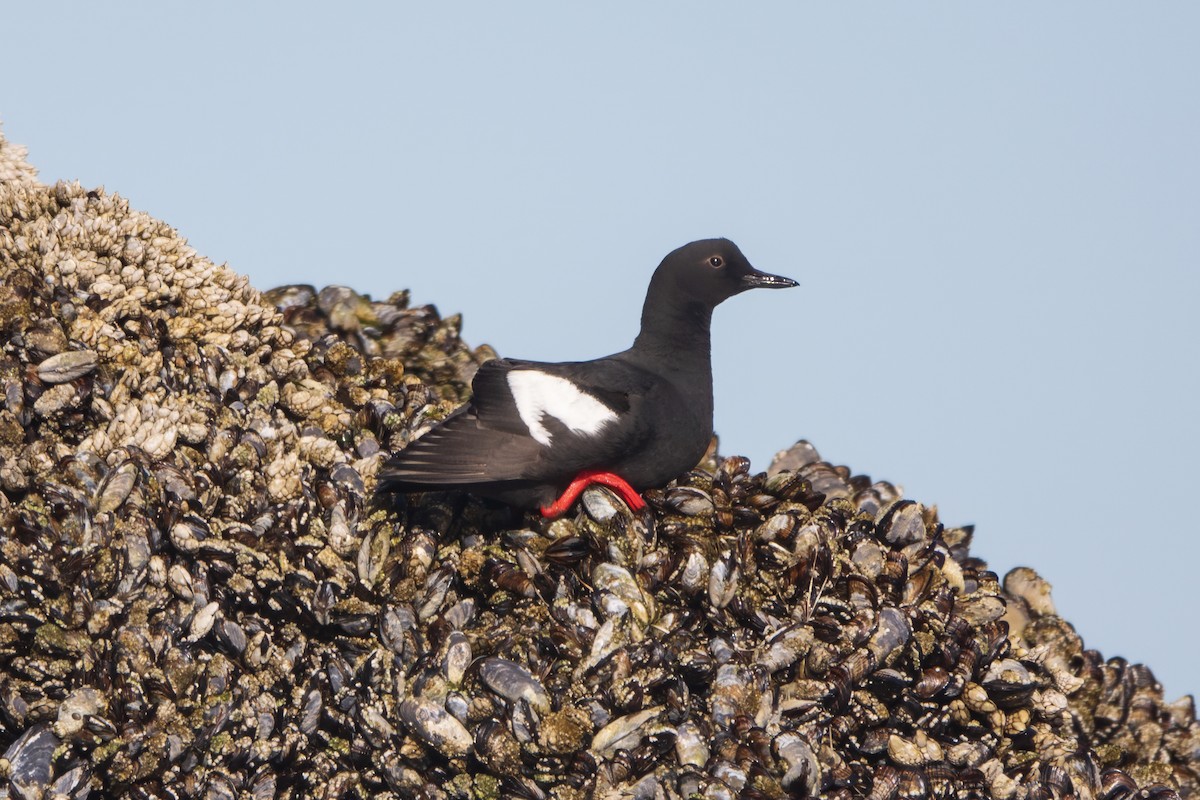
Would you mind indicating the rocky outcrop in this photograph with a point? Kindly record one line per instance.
(201, 596)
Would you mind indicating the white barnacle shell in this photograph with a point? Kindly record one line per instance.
(804, 770)
(690, 746)
(203, 620)
(513, 682)
(625, 732)
(621, 583)
(431, 723)
(1032, 588)
(456, 658)
(723, 580)
(74, 710)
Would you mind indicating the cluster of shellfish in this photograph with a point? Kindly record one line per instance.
(200, 596)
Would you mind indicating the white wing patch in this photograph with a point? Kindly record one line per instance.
(538, 394)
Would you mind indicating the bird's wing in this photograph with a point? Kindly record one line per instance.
(589, 411)
(493, 399)
(519, 411)
(462, 450)
(488, 440)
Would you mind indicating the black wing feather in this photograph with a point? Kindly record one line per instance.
(492, 400)
(462, 451)
(488, 442)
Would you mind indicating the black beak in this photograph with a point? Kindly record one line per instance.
(762, 280)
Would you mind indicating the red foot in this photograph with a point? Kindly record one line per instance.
(585, 479)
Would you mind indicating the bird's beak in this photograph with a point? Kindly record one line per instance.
(762, 280)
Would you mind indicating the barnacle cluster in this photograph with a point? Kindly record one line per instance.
(201, 596)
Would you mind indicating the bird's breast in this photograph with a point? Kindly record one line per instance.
(676, 438)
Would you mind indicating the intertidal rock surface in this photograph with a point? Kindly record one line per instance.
(200, 595)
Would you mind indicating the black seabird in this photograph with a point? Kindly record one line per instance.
(536, 434)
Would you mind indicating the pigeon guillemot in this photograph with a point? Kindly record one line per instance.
(535, 434)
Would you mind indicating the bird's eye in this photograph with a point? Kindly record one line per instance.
(716, 262)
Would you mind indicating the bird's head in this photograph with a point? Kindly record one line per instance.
(712, 270)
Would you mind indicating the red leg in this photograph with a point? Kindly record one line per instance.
(585, 479)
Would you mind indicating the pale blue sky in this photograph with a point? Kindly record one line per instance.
(993, 211)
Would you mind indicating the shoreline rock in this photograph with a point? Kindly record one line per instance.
(200, 595)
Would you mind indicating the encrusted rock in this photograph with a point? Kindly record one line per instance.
(200, 595)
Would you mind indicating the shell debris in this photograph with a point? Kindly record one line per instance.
(200, 594)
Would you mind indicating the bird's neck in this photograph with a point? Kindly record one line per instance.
(677, 335)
